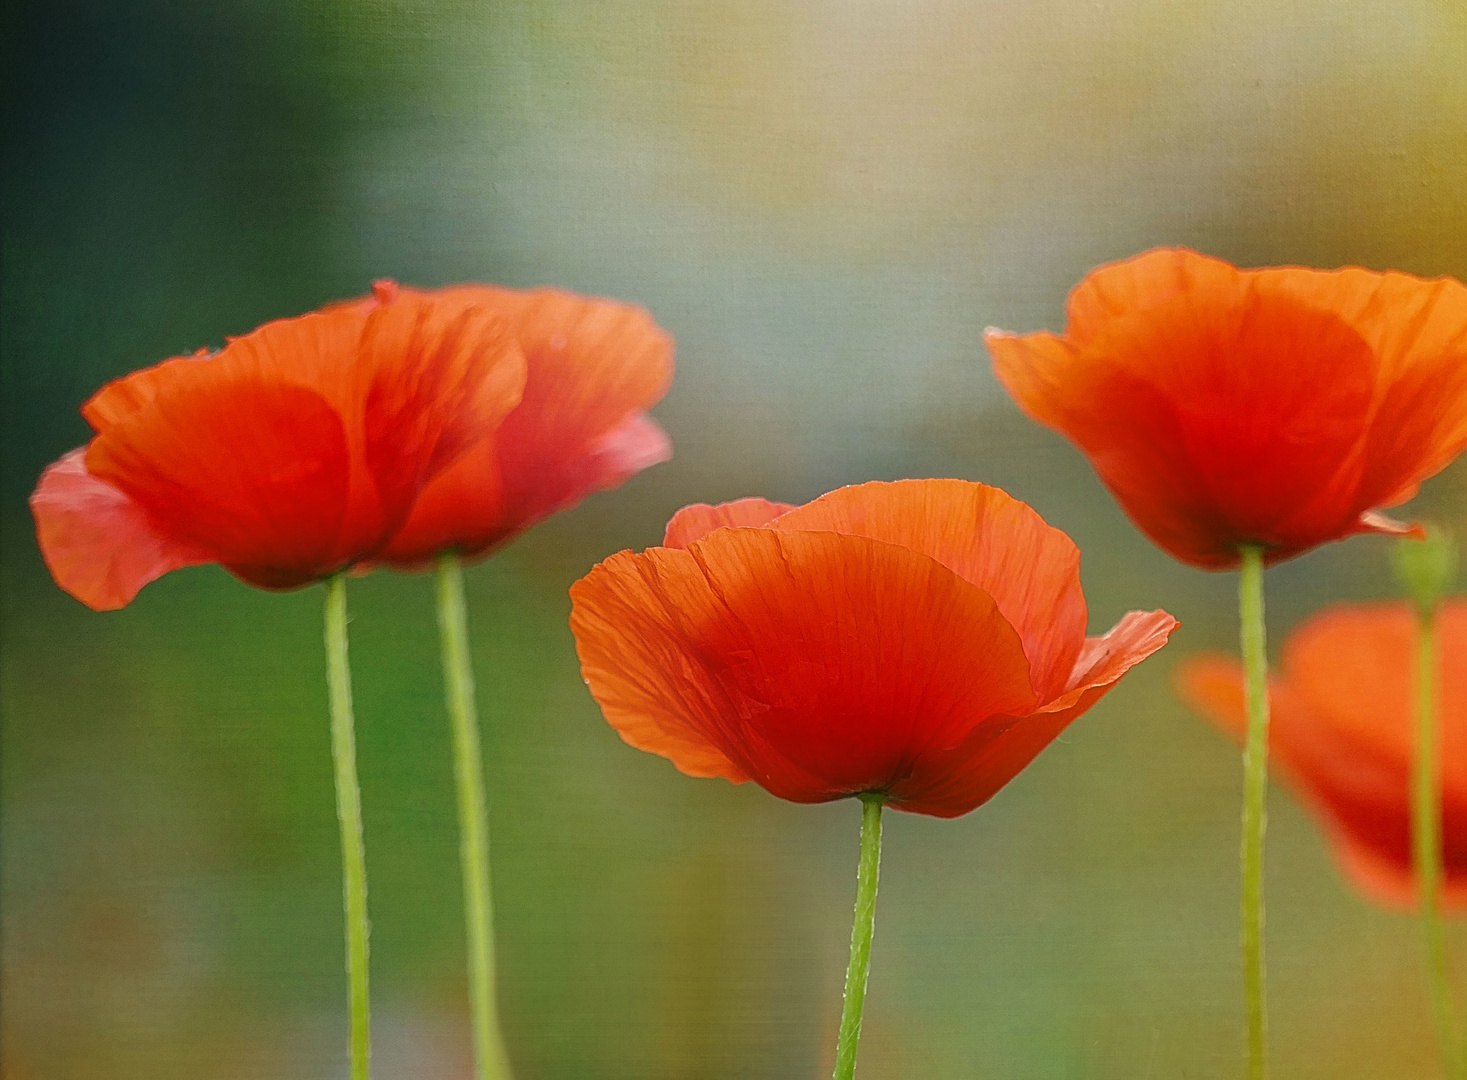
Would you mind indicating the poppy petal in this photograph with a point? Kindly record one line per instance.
(594, 365)
(986, 537)
(100, 545)
(445, 371)
(468, 490)
(1033, 368)
(1421, 425)
(417, 377)
(698, 520)
(1138, 284)
(1374, 522)
(1355, 663)
(122, 397)
(1418, 329)
(947, 785)
(463, 508)
(1104, 659)
(251, 471)
(637, 443)
(1139, 461)
(639, 662)
(819, 665)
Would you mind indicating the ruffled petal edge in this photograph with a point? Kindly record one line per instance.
(697, 520)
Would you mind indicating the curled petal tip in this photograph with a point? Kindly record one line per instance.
(385, 290)
(100, 545)
(1373, 521)
(636, 444)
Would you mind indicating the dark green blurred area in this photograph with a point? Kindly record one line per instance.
(825, 204)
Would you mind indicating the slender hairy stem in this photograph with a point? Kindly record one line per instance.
(349, 813)
(1255, 803)
(868, 870)
(473, 819)
(1426, 841)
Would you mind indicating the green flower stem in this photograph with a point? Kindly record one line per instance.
(1255, 802)
(349, 814)
(1426, 841)
(868, 870)
(491, 1059)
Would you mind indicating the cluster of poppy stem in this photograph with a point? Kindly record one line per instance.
(912, 644)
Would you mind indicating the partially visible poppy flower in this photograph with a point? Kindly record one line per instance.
(595, 367)
(922, 640)
(1344, 734)
(1281, 407)
(297, 450)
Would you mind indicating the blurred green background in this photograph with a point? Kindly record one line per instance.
(825, 203)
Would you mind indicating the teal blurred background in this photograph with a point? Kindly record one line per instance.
(825, 203)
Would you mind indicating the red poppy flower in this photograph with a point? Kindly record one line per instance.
(297, 450)
(1344, 734)
(595, 367)
(924, 639)
(1223, 407)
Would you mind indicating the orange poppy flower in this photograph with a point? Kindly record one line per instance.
(595, 367)
(1344, 734)
(924, 639)
(1282, 407)
(297, 450)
